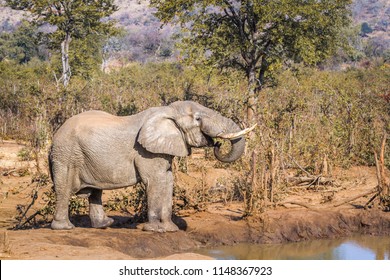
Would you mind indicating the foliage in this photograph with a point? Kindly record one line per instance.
(256, 36)
(25, 154)
(328, 113)
(132, 200)
(23, 44)
(85, 56)
(75, 19)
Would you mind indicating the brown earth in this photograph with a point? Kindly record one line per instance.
(302, 214)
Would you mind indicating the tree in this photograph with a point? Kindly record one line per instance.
(72, 19)
(365, 29)
(22, 44)
(256, 36)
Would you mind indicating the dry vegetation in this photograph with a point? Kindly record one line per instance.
(310, 123)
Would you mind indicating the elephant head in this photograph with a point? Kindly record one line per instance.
(176, 128)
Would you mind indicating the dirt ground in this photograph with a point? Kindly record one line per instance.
(303, 214)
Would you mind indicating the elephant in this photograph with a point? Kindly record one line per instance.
(95, 151)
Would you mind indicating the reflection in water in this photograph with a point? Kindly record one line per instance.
(354, 248)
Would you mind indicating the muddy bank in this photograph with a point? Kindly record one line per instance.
(293, 226)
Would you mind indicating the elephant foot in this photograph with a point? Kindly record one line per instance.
(105, 223)
(160, 227)
(61, 225)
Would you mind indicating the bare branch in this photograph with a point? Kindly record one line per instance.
(350, 199)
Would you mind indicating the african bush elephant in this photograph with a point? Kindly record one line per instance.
(95, 151)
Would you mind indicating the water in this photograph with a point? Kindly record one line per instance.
(352, 248)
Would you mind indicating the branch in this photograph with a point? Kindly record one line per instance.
(251, 18)
(300, 167)
(310, 180)
(376, 195)
(298, 203)
(20, 225)
(236, 62)
(355, 197)
(236, 20)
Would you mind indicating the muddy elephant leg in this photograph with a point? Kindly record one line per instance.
(96, 212)
(62, 185)
(61, 216)
(159, 192)
(167, 203)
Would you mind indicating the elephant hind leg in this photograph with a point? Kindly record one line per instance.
(96, 212)
(62, 178)
(61, 225)
(61, 217)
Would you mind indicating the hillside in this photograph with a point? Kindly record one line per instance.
(143, 29)
(131, 12)
(137, 12)
(375, 12)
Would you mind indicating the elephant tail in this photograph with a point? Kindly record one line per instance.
(50, 160)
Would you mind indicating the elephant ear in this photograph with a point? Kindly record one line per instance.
(160, 135)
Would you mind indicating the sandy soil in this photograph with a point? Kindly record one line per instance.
(303, 214)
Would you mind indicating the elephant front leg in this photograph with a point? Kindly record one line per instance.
(96, 212)
(159, 192)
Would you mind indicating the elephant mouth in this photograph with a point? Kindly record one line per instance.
(212, 142)
(209, 140)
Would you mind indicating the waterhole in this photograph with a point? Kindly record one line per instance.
(352, 248)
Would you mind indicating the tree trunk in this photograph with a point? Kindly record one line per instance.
(66, 73)
(103, 67)
(251, 113)
(383, 180)
(255, 85)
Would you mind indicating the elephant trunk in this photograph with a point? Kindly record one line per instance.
(236, 151)
(225, 128)
(237, 141)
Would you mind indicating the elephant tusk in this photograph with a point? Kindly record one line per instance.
(236, 135)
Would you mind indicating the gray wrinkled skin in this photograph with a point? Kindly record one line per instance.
(96, 151)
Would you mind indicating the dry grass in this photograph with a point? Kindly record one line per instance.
(5, 246)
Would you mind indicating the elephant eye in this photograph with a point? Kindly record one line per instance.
(198, 118)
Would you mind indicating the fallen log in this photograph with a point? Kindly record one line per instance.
(309, 180)
(299, 204)
(350, 199)
(8, 172)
